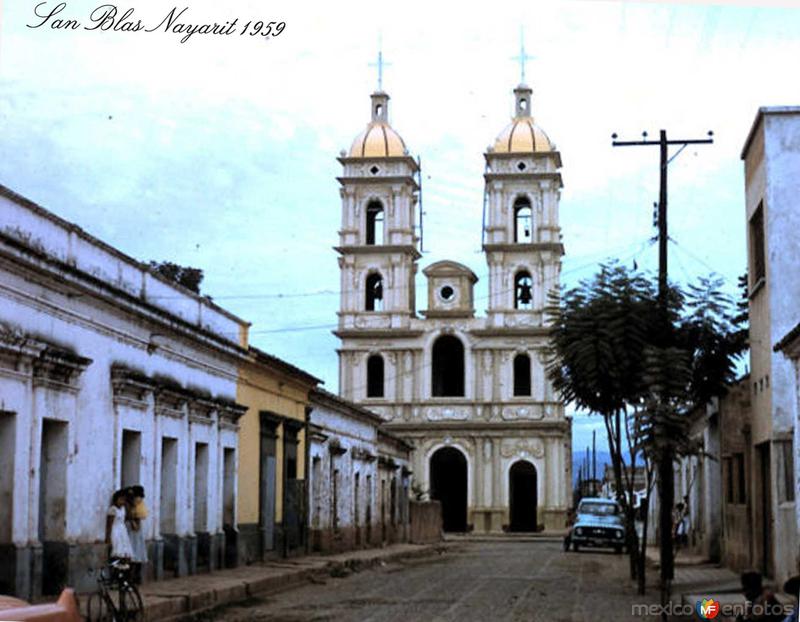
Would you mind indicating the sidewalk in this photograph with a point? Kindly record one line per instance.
(696, 578)
(173, 599)
(537, 536)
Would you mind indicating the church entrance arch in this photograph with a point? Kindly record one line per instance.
(449, 487)
(522, 496)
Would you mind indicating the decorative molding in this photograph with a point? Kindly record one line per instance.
(448, 413)
(58, 369)
(130, 388)
(363, 454)
(335, 447)
(529, 412)
(170, 403)
(522, 447)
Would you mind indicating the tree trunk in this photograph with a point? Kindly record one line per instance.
(614, 432)
(643, 554)
(666, 499)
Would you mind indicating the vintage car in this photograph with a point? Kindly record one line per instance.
(598, 523)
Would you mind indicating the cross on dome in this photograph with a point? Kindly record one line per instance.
(522, 55)
(380, 64)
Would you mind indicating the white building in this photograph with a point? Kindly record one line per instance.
(772, 186)
(359, 478)
(110, 376)
(491, 439)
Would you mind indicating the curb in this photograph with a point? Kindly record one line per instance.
(231, 590)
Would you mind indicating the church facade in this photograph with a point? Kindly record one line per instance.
(471, 394)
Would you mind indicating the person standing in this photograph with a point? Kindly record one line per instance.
(116, 533)
(135, 524)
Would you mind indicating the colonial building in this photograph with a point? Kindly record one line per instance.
(771, 159)
(359, 479)
(110, 376)
(491, 439)
(272, 463)
(737, 544)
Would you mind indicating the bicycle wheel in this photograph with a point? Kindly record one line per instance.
(100, 608)
(131, 606)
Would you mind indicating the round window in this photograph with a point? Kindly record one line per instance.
(447, 293)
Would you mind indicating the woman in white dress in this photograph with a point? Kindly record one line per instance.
(116, 533)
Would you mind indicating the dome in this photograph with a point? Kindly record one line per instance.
(378, 140)
(522, 135)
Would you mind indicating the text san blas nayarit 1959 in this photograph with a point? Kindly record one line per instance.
(108, 17)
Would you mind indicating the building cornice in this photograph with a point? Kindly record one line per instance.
(384, 180)
(489, 428)
(379, 249)
(556, 177)
(555, 247)
(367, 333)
(36, 261)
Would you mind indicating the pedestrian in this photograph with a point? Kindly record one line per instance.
(680, 527)
(760, 603)
(792, 588)
(116, 533)
(137, 513)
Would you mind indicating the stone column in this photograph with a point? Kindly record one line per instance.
(496, 473)
(477, 488)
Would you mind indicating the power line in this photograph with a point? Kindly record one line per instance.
(335, 292)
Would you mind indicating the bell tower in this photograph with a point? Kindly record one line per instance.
(377, 241)
(522, 238)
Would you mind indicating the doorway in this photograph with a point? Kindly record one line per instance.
(522, 496)
(764, 508)
(449, 487)
(267, 481)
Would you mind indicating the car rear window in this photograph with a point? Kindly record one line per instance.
(598, 509)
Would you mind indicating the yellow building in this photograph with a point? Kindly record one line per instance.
(272, 457)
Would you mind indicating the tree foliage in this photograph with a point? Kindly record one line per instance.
(188, 277)
(617, 351)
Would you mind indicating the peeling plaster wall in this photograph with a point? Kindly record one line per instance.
(44, 305)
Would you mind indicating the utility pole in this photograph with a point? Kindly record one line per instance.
(594, 461)
(666, 476)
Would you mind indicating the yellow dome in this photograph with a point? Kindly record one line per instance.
(379, 140)
(522, 135)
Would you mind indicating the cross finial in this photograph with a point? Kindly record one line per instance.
(522, 56)
(380, 64)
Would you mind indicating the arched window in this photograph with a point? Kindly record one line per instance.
(522, 374)
(374, 292)
(523, 290)
(523, 221)
(375, 376)
(374, 223)
(448, 367)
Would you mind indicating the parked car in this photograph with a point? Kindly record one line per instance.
(65, 609)
(598, 523)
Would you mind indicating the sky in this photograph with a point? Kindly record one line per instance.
(220, 152)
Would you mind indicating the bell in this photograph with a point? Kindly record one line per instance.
(525, 296)
(379, 291)
(527, 232)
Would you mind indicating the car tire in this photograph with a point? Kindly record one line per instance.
(618, 549)
(575, 547)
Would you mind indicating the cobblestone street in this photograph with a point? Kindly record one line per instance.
(502, 580)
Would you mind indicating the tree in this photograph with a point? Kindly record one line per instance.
(611, 356)
(188, 277)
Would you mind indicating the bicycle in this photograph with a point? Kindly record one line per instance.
(117, 598)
